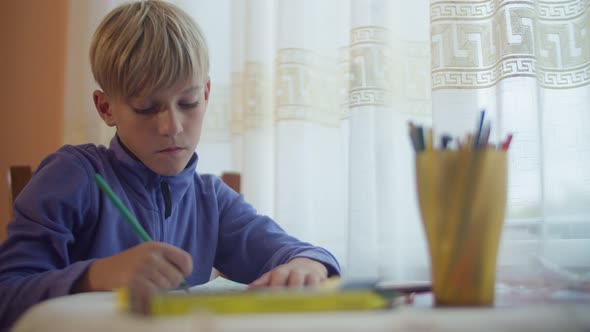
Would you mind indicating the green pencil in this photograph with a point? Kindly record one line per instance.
(119, 205)
(102, 184)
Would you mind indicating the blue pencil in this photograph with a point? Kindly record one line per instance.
(479, 129)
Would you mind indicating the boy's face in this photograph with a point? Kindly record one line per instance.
(162, 129)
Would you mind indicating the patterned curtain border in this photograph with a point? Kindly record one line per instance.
(475, 44)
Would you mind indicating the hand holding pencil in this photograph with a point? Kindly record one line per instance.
(146, 267)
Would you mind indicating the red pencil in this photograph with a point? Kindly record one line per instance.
(506, 143)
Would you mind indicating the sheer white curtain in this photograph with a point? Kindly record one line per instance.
(308, 99)
(347, 76)
(310, 102)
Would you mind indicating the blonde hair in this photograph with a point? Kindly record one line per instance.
(145, 46)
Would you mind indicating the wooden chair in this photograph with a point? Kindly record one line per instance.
(18, 177)
(232, 179)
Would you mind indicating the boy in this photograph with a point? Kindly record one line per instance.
(151, 62)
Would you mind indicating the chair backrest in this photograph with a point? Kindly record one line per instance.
(18, 177)
(232, 179)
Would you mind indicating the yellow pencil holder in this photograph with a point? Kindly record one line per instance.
(462, 197)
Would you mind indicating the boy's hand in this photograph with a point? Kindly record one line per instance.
(145, 267)
(298, 272)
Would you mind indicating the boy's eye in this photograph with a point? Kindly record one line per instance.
(148, 110)
(156, 108)
(189, 105)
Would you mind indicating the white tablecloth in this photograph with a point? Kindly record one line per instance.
(97, 312)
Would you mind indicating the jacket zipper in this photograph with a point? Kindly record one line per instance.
(167, 202)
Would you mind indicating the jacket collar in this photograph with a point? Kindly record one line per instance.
(137, 175)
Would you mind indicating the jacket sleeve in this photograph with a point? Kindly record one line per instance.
(250, 244)
(35, 259)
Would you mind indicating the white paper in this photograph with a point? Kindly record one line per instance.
(219, 284)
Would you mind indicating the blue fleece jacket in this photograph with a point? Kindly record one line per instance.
(63, 222)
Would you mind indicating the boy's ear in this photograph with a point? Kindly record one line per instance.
(207, 89)
(103, 107)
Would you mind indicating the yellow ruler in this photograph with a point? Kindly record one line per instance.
(169, 304)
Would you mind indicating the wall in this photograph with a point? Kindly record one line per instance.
(32, 69)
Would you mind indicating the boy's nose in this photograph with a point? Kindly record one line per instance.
(169, 122)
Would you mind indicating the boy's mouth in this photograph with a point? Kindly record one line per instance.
(171, 150)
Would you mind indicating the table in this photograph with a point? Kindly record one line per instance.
(97, 312)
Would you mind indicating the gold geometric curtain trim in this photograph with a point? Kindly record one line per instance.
(481, 78)
(307, 87)
(237, 113)
(370, 67)
(475, 44)
(465, 10)
(257, 98)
